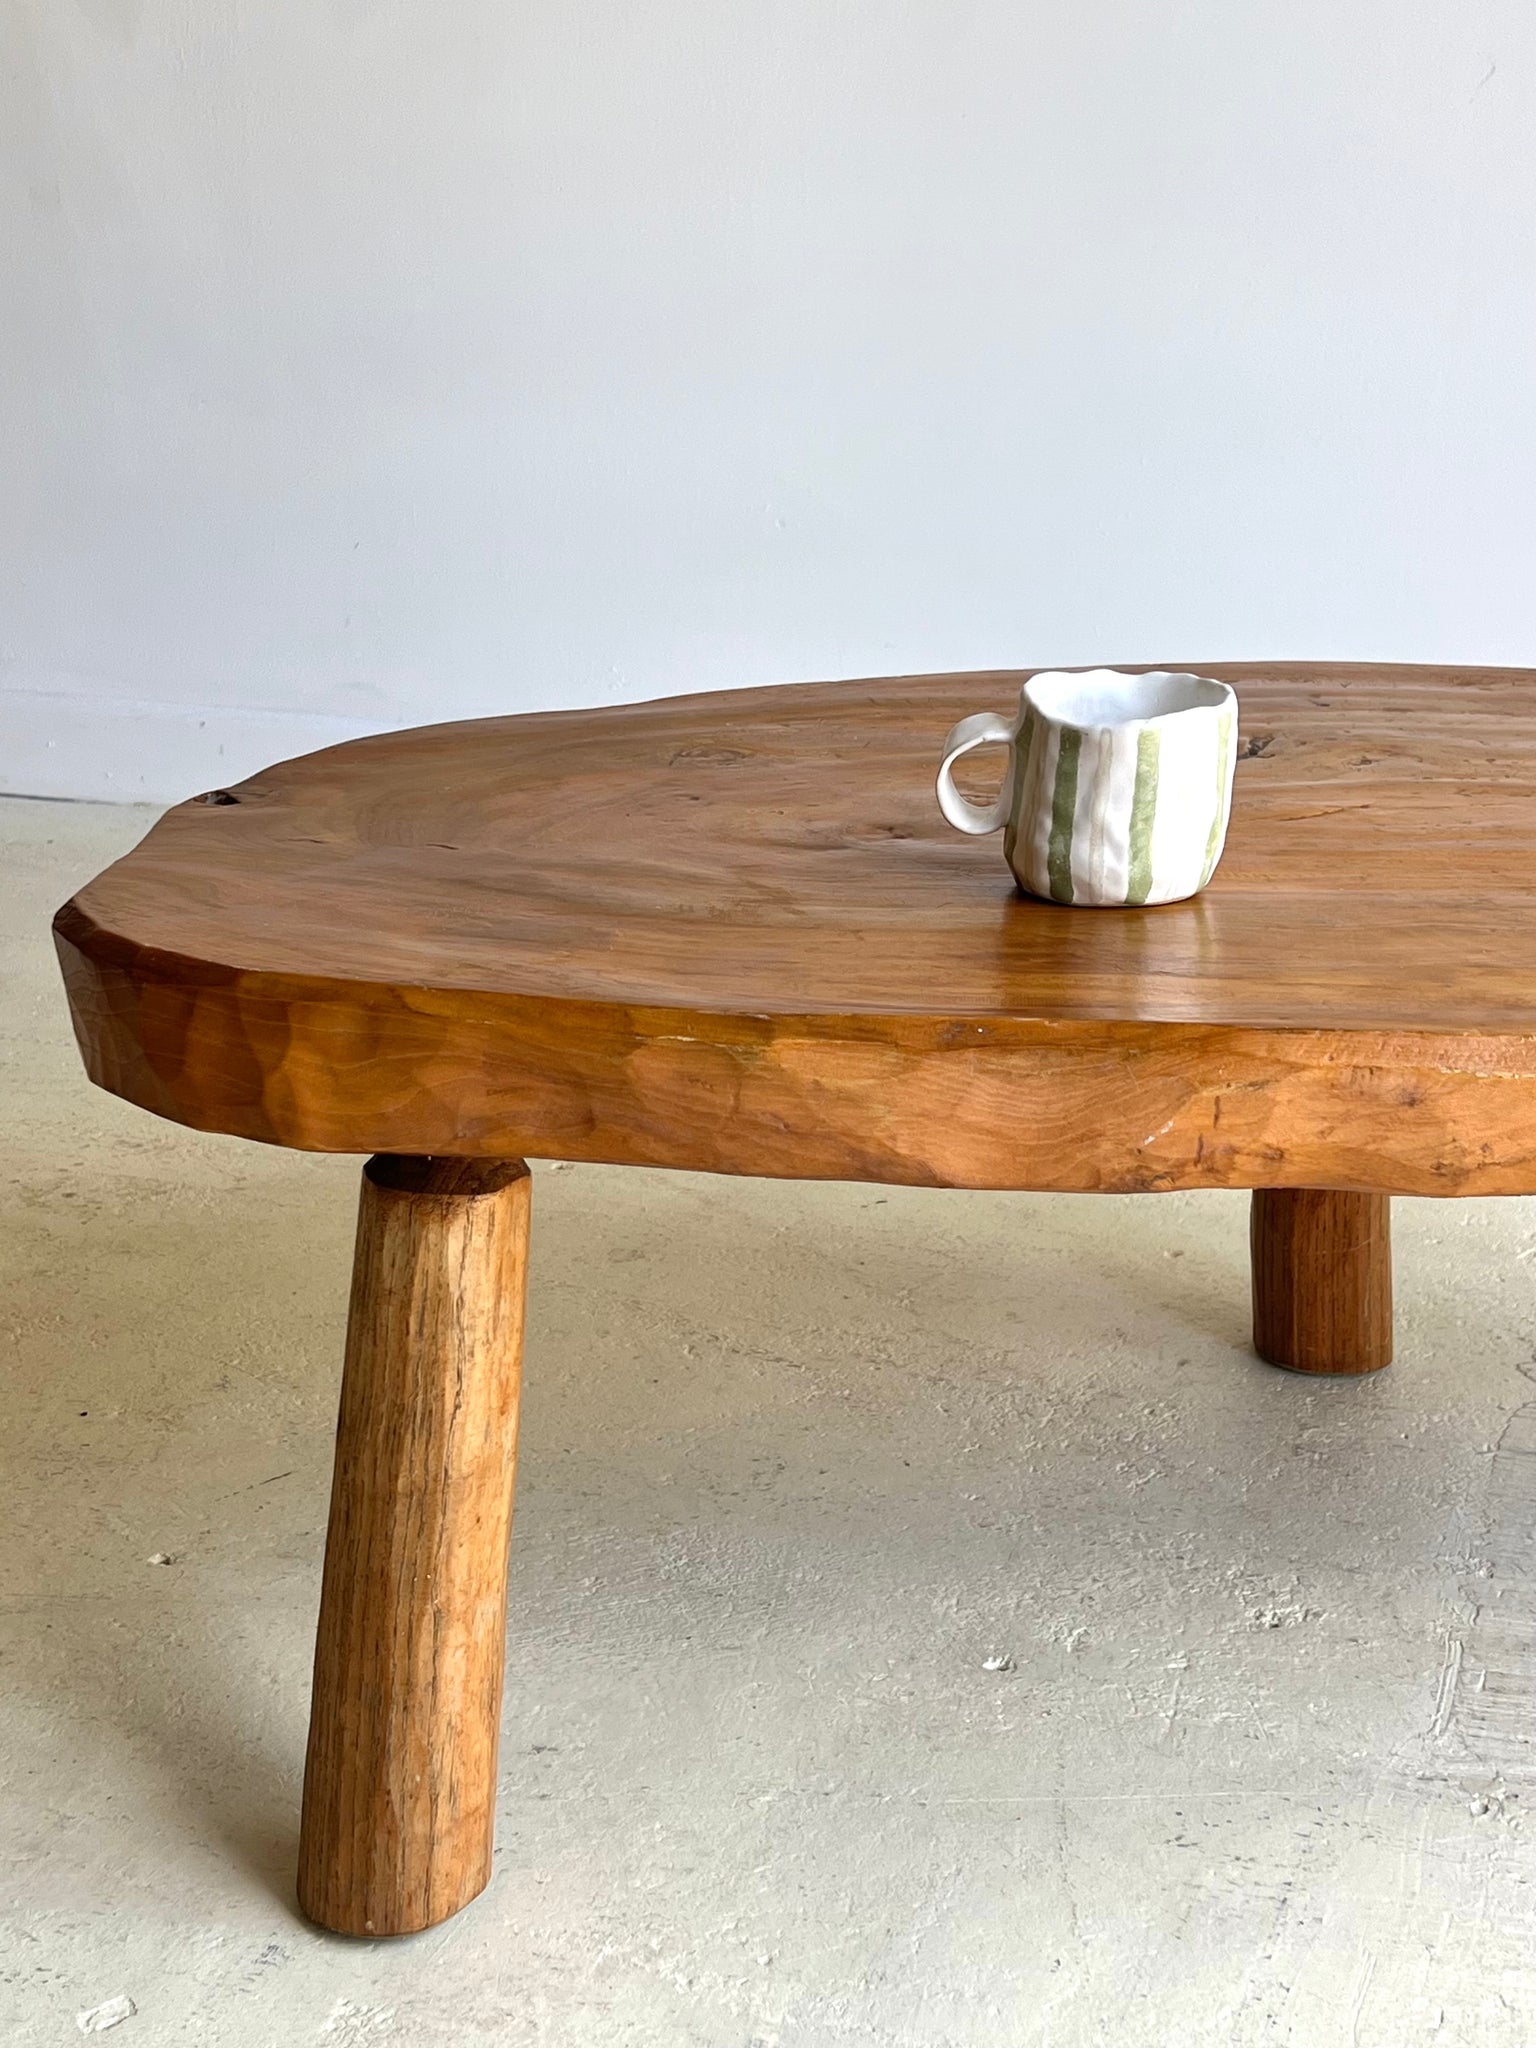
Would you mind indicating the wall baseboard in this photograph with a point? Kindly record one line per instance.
(118, 751)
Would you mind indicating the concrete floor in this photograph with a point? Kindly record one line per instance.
(797, 1461)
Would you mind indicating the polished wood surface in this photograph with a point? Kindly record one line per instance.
(400, 1783)
(1322, 1279)
(732, 932)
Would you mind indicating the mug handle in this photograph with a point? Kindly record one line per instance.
(981, 729)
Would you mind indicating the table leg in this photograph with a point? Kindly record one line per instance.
(1322, 1279)
(400, 1782)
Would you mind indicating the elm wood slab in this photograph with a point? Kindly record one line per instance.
(732, 933)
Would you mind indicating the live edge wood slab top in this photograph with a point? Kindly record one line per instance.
(732, 932)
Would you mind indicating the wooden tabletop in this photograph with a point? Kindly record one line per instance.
(733, 932)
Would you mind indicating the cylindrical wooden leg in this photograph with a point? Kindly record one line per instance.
(400, 1783)
(1322, 1279)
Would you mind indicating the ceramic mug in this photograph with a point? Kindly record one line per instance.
(1118, 786)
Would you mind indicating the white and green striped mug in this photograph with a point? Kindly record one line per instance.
(1118, 787)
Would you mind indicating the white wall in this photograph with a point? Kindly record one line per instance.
(371, 361)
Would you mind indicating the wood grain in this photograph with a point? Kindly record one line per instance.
(400, 1783)
(732, 932)
(1322, 1280)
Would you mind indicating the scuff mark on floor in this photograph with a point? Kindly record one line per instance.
(1357, 2003)
(1445, 1695)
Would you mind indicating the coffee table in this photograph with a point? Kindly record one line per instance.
(732, 933)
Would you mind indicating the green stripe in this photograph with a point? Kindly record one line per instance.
(1023, 781)
(1143, 810)
(1223, 752)
(1063, 807)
